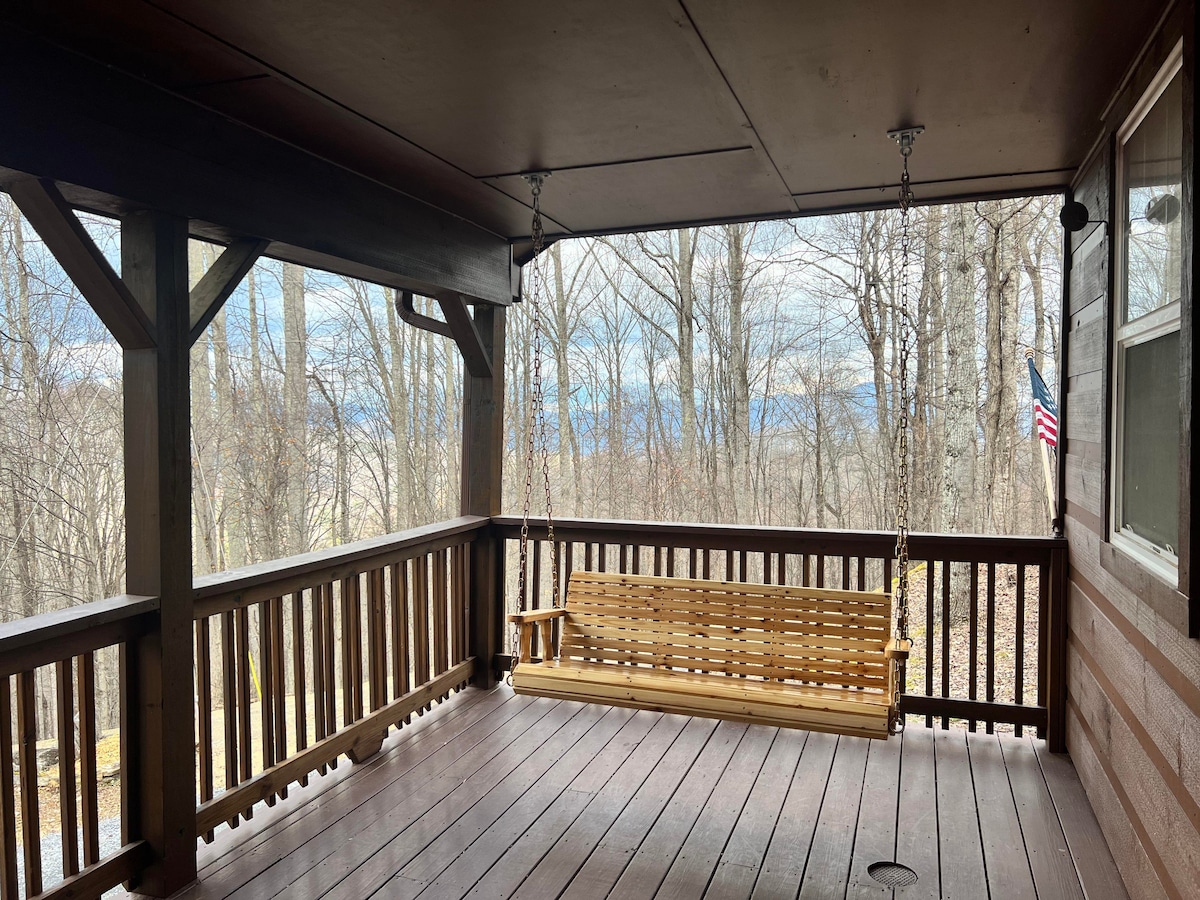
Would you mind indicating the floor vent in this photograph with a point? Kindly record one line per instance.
(892, 874)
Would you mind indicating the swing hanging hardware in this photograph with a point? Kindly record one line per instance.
(536, 444)
(905, 137)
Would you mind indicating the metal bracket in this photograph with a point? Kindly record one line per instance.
(537, 178)
(406, 311)
(906, 137)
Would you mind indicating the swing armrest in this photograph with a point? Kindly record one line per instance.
(536, 615)
(897, 649)
(544, 620)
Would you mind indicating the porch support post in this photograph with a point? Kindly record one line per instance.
(482, 471)
(159, 797)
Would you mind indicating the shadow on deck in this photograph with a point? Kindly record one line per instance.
(491, 795)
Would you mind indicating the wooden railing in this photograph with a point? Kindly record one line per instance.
(986, 613)
(304, 659)
(65, 645)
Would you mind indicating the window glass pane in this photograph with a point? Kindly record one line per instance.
(1153, 159)
(1150, 455)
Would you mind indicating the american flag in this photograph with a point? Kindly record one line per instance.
(1045, 410)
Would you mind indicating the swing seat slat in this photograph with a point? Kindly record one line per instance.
(822, 660)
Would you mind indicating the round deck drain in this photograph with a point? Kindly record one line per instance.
(892, 874)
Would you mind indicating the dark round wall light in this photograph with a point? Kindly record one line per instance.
(1075, 217)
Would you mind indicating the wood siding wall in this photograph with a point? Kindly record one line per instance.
(1133, 715)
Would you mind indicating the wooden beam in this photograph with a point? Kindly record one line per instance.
(482, 470)
(161, 782)
(466, 335)
(43, 205)
(220, 281)
(149, 148)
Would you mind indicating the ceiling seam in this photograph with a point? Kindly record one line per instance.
(736, 99)
(296, 82)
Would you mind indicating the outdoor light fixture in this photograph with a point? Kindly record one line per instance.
(1075, 217)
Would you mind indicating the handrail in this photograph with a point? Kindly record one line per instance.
(49, 637)
(784, 539)
(244, 586)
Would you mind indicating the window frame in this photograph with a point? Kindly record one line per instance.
(1155, 324)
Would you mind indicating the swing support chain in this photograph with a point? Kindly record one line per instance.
(905, 138)
(536, 445)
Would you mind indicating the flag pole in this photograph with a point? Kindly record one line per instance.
(1029, 354)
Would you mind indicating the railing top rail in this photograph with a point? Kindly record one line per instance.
(351, 557)
(778, 538)
(49, 637)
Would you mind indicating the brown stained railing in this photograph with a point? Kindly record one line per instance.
(305, 659)
(63, 645)
(985, 612)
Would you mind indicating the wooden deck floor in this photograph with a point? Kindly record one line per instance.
(491, 795)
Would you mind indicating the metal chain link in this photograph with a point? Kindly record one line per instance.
(536, 443)
(896, 723)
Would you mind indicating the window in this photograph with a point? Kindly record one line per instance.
(1145, 476)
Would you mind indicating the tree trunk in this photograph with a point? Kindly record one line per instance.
(295, 408)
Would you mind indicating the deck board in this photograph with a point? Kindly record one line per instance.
(490, 795)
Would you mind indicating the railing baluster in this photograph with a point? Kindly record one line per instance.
(862, 573)
(329, 661)
(743, 563)
(204, 741)
(623, 559)
(441, 660)
(600, 556)
(320, 687)
(692, 563)
(300, 682)
(279, 684)
(8, 799)
(766, 567)
(266, 688)
(821, 570)
(1019, 649)
(242, 624)
(990, 638)
(376, 651)
(973, 631)
(89, 775)
(68, 811)
(229, 712)
(946, 570)
(1043, 636)
(27, 753)
(930, 572)
(670, 562)
(636, 552)
(421, 620)
(845, 573)
(400, 661)
(587, 556)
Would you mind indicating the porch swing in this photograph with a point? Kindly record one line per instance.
(788, 656)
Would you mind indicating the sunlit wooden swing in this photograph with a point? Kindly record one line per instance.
(789, 656)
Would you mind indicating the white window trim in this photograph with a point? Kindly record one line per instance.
(1129, 334)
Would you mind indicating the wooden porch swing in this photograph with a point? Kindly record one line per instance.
(788, 656)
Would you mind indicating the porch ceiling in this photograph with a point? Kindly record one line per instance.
(649, 113)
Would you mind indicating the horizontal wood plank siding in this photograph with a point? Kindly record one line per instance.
(1133, 721)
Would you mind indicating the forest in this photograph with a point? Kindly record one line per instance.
(741, 373)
